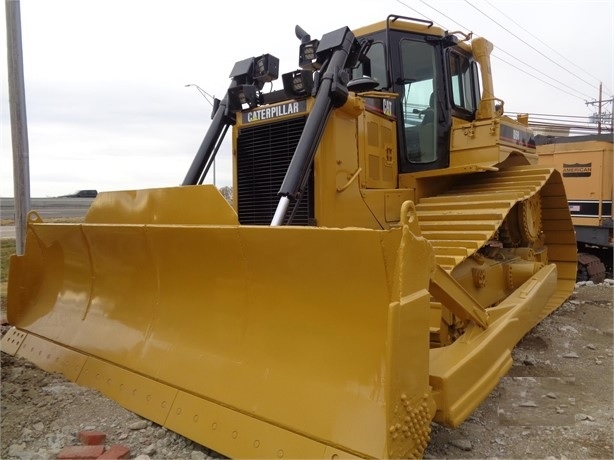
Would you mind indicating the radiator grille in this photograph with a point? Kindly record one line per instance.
(263, 155)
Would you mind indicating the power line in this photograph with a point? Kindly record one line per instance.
(553, 115)
(503, 51)
(572, 123)
(444, 15)
(415, 10)
(542, 42)
(537, 78)
(528, 44)
(544, 74)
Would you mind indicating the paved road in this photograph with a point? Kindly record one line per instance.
(48, 208)
(7, 231)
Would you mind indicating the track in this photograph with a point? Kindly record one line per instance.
(462, 220)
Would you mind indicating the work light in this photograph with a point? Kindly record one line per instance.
(242, 95)
(298, 83)
(307, 58)
(266, 68)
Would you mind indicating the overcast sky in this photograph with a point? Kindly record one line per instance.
(107, 105)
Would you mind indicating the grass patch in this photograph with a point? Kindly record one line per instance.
(7, 249)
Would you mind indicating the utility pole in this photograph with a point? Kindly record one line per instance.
(600, 112)
(19, 124)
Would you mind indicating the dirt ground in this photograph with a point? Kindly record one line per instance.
(555, 403)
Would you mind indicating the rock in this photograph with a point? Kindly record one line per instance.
(150, 449)
(39, 426)
(55, 441)
(26, 434)
(197, 455)
(17, 450)
(527, 404)
(551, 395)
(590, 346)
(142, 457)
(161, 433)
(582, 417)
(529, 361)
(164, 442)
(571, 354)
(139, 425)
(462, 444)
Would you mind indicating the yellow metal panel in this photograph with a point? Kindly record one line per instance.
(410, 405)
(12, 340)
(172, 205)
(52, 357)
(587, 221)
(561, 237)
(593, 158)
(339, 179)
(145, 396)
(245, 436)
(378, 145)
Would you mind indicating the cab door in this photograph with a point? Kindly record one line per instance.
(424, 124)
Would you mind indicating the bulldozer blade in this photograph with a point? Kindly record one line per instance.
(253, 341)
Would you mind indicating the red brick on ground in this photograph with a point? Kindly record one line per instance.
(116, 452)
(80, 452)
(92, 437)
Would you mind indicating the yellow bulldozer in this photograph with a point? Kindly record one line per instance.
(391, 239)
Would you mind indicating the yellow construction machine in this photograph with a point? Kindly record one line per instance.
(586, 164)
(391, 240)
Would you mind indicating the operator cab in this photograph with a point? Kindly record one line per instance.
(435, 80)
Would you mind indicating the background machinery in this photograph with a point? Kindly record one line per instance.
(586, 165)
(391, 240)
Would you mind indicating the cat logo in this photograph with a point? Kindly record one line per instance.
(275, 111)
(387, 107)
(577, 170)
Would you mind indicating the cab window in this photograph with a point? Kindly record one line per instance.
(419, 101)
(463, 84)
(377, 62)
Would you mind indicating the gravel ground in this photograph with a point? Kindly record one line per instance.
(556, 402)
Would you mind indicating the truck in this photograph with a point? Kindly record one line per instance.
(586, 165)
(391, 239)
